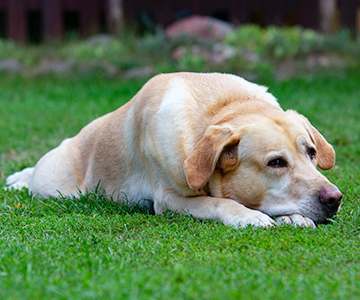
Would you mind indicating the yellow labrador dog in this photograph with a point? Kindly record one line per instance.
(211, 145)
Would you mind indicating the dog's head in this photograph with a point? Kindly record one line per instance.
(267, 163)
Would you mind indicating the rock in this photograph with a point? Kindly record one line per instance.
(110, 69)
(10, 65)
(218, 54)
(324, 61)
(251, 57)
(287, 69)
(199, 26)
(178, 52)
(98, 66)
(100, 39)
(221, 53)
(140, 72)
(51, 66)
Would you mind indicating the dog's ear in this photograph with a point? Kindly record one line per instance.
(325, 152)
(217, 148)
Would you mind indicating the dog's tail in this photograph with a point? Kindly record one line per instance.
(20, 179)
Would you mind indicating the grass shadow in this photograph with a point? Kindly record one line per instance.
(89, 203)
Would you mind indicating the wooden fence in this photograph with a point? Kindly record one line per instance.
(44, 20)
(38, 20)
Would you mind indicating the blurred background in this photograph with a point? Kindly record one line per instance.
(46, 20)
(141, 37)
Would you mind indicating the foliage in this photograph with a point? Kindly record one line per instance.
(249, 48)
(286, 42)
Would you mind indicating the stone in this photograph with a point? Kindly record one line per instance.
(103, 39)
(199, 26)
(10, 65)
(50, 66)
(140, 72)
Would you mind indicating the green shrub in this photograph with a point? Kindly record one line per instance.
(288, 42)
(191, 62)
(249, 37)
(86, 51)
(341, 42)
(254, 49)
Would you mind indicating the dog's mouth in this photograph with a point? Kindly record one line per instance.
(325, 222)
(325, 217)
(326, 206)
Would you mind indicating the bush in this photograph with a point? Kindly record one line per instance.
(249, 48)
(288, 42)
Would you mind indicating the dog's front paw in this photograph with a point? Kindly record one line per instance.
(296, 220)
(253, 218)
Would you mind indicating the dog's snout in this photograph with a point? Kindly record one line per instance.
(331, 196)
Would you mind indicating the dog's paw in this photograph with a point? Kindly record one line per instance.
(253, 218)
(296, 220)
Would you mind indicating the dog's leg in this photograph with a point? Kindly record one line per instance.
(296, 220)
(20, 179)
(203, 207)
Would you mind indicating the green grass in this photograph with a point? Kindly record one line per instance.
(92, 249)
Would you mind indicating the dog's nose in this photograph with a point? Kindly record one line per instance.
(331, 196)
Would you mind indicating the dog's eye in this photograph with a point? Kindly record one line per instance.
(312, 153)
(277, 163)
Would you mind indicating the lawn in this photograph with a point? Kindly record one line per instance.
(92, 249)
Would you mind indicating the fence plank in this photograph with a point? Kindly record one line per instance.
(309, 14)
(71, 5)
(89, 17)
(32, 5)
(52, 19)
(239, 11)
(16, 20)
(274, 12)
(348, 12)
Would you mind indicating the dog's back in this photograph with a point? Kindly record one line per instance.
(142, 143)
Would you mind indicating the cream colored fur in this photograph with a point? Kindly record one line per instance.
(196, 144)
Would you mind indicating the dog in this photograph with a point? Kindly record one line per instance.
(213, 145)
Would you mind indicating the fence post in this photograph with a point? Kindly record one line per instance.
(16, 20)
(52, 19)
(327, 15)
(115, 15)
(309, 14)
(89, 17)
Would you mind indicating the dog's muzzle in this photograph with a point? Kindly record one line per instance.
(330, 199)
